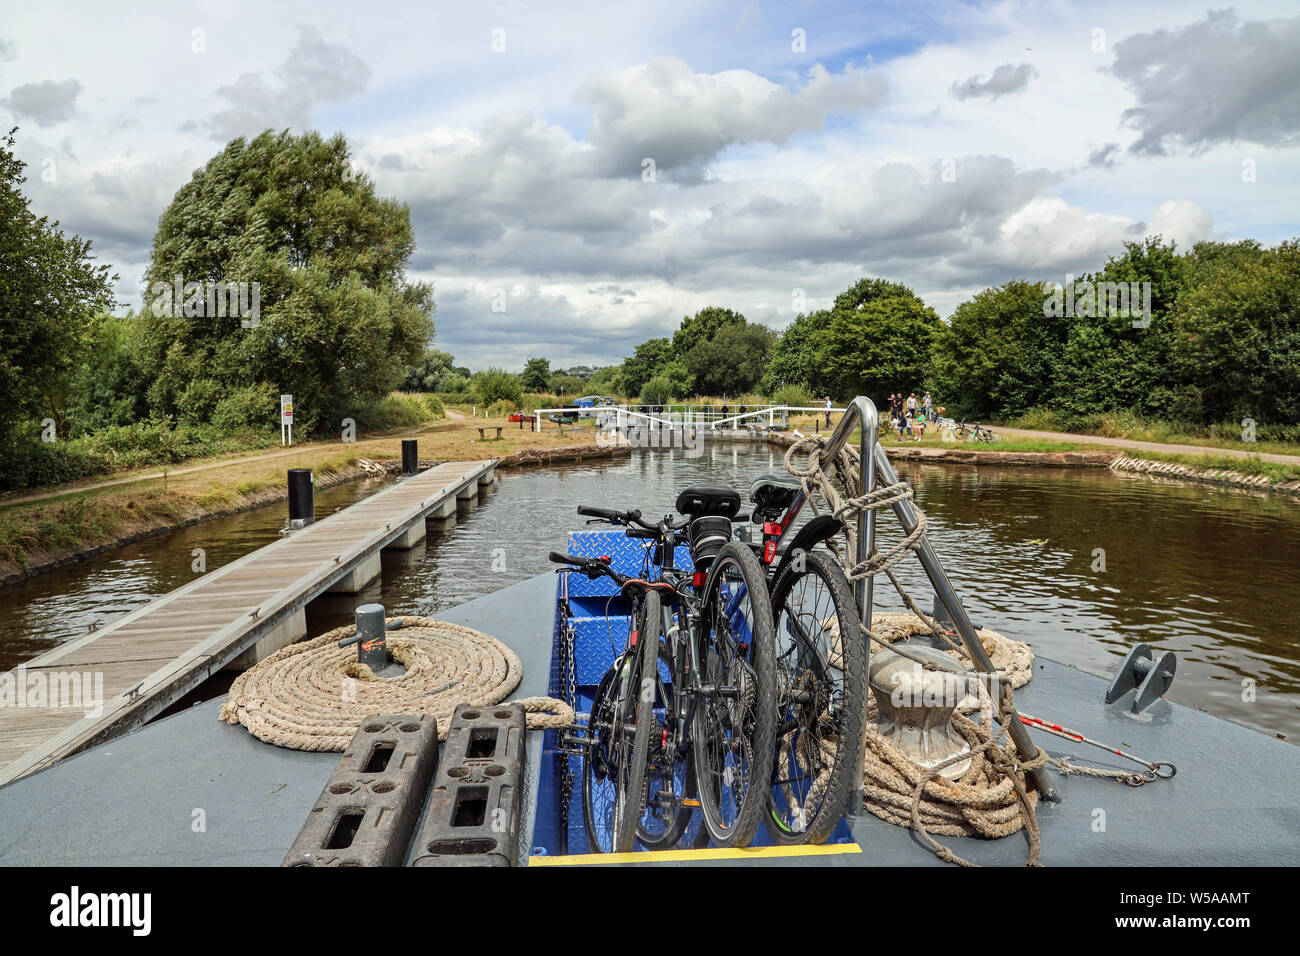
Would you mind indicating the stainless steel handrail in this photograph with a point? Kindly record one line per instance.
(862, 413)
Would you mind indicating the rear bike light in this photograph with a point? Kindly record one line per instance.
(771, 527)
(697, 579)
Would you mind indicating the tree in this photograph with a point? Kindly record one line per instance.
(702, 327)
(1107, 363)
(494, 384)
(657, 391)
(877, 340)
(638, 367)
(535, 374)
(561, 384)
(792, 359)
(338, 325)
(51, 293)
(109, 388)
(1237, 335)
(999, 354)
(731, 362)
(866, 291)
(429, 372)
(607, 380)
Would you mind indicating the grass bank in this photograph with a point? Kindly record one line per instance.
(81, 521)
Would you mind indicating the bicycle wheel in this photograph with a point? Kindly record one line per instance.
(821, 677)
(670, 775)
(614, 766)
(735, 719)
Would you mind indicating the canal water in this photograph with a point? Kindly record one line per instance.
(1082, 564)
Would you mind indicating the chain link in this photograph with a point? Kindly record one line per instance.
(564, 752)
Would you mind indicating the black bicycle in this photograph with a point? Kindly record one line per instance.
(712, 696)
(621, 724)
(821, 667)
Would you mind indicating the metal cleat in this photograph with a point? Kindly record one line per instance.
(1151, 678)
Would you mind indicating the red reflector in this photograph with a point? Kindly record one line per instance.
(771, 527)
(769, 552)
(697, 579)
(605, 558)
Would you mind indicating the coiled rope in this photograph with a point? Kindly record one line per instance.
(990, 799)
(314, 695)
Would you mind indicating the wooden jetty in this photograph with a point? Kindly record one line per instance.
(235, 614)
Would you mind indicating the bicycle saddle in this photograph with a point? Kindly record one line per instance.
(700, 500)
(772, 494)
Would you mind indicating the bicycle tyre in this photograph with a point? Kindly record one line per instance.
(814, 666)
(628, 760)
(681, 781)
(752, 736)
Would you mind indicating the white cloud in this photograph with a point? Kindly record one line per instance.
(777, 170)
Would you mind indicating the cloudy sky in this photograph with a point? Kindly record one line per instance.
(604, 168)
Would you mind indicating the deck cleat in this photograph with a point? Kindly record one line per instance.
(1150, 678)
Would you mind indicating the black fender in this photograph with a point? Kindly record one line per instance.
(809, 536)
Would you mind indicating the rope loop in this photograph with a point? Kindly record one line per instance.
(313, 695)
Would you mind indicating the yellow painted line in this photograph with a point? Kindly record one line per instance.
(710, 853)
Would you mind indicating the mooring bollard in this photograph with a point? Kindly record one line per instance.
(302, 504)
(410, 456)
(372, 648)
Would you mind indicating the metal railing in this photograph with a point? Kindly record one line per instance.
(877, 467)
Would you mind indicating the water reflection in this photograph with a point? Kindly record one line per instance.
(1206, 572)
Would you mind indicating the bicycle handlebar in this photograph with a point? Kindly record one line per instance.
(628, 518)
(608, 514)
(592, 567)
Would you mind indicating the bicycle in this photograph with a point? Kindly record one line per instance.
(716, 710)
(976, 432)
(619, 729)
(821, 668)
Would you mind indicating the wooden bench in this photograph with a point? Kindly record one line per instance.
(482, 432)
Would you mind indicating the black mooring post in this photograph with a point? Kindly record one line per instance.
(410, 456)
(302, 504)
(372, 649)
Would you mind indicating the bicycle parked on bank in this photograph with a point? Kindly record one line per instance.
(973, 432)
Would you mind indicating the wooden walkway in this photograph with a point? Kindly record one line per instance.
(151, 657)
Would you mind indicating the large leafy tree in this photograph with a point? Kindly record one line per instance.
(793, 357)
(1237, 334)
(702, 327)
(877, 340)
(51, 294)
(1106, 363)
(432, 372)
(339, 322)
(999, 353)
(731, 362)
(536, 374)
(639, 367)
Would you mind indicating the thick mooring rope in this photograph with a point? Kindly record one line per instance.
(314, 695)
(990, 799)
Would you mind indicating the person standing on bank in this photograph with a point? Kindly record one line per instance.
(828, 411)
